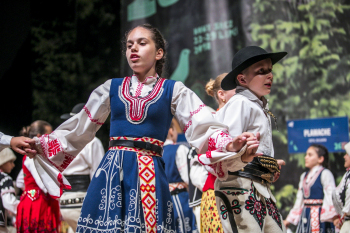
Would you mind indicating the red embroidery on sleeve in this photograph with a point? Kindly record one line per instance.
(191, 115)
(90, 117)
(54, 147)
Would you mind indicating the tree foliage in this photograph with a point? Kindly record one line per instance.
(73, 54)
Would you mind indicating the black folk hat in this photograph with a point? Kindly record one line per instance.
(245, 58)
(76, 109)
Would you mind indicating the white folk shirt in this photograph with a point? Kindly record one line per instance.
(4, 141)
(71, 136)
(327, 181)
(244, 112)
(88, 160)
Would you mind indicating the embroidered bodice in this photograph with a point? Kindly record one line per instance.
(312, 186)
(136, 116)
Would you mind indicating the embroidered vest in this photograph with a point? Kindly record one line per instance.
(149, 116)
(316, 189)
(171, 170)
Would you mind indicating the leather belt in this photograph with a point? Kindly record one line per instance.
(137, 144)
(79, 183)
(261, 169)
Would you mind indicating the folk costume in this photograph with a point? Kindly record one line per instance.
(243, 196)
(8, 201)
(313, 210)
(79, 174)
(175, 159)
(37, 211)
(129, 191)
(341, 198)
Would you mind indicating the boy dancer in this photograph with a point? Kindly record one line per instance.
(244, 200)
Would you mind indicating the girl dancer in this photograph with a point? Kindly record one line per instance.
(129, 191)
(313, 210)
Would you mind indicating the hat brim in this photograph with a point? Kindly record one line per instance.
(65, 116)
(229, 82)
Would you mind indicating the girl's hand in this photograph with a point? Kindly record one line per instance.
(32, 151)
(252, 147)
(239, 141)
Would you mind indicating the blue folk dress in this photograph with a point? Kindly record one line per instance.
(311, 213)
(183, 214)
(129, 191)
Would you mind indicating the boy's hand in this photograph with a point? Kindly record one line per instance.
(337, 222)
(239, 141)
(32, 151)
(280, 163)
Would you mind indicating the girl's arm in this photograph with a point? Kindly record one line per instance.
(196, 120)
(202, 131)
(328, 211)
(62, 145)
(295, 213)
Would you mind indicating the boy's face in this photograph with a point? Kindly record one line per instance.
(258, 78)
(7, 167)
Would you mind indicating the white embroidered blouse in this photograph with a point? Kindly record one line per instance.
(327, 180)
(61, 146)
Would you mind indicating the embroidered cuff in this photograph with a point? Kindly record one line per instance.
(219, 140)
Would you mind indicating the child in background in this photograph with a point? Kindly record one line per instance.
(8, 195)
(313, 210)
(175, 159)
(341, 196)
(37, 210)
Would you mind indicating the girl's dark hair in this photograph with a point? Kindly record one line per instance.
(37, 127)
(322, 151)
(158, 39)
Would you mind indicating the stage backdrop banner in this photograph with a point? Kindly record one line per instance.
(202, 37)
(333, 133)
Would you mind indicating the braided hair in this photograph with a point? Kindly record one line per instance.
(159, 41)
(322, 152)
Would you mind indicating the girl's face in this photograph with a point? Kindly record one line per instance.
(346, 161)
(312, 159)
(141, 52)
